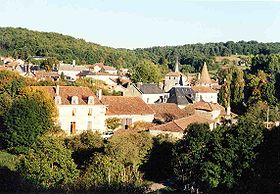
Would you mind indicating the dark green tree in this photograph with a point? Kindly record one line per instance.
(48, 165)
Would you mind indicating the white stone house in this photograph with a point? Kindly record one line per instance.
(128, 109)
(150, 93)
(70, 71)
(205, 93)
(78, 107)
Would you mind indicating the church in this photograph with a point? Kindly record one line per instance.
(183, 92)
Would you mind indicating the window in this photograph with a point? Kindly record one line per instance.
(74, 111)
(73, 128)
(147, 100)
(89, 125)
(90, 112)
(90, 100)
(74, 100)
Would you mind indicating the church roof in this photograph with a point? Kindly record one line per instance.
(204, 76)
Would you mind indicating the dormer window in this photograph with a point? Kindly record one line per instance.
(74, 100)
(90, 100)
(57, 100)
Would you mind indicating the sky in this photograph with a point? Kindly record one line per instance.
(145, 23)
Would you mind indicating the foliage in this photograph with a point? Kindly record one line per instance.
(146, 72)
(113, 123)
(31, 115)
(129, 148)
(48, 164)
(107, 173)
(84, 146)
(158, 166)
(205, 160)
(8, 160)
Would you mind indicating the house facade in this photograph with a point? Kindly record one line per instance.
(78, 107)
(150, 93)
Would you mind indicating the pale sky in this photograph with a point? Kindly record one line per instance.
(146, 23)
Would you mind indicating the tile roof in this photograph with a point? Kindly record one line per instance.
(66, 92)
(204, 76)
(126, 105)
(149, 88)
(167, 111)
(203, 89)
(180, 95)
(207, 106)
(67, 67)
(85, 73)
(109, 68)
(179, 125)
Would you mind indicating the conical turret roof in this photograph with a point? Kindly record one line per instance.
(204, 76)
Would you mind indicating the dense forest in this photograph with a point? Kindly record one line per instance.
(22, 43)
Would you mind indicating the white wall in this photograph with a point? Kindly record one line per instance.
(210, 115)
(81, 117)
(105, 78)
(151, 98)
(71, 74)
(206, 97)
(146, 118)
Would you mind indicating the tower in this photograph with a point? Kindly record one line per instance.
(177, 65)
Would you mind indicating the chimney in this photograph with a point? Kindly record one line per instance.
(99, 94)
(57, 90)
(139, 84)
(74, 63)
(198, 77)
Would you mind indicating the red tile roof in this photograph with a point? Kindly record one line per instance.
(207, 106)
(66, 92)
(126, 105)
(203, 89)
(167, 111)
(179, 125)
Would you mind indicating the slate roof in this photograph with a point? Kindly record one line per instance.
(180, 95)
(85, 73)
(149, 89)
(126, 105)
(66, 92)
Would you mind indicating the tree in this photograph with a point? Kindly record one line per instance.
(48, 164)
(105, 173)
(113, 123)
(30, 115)
(129, 148)
(146, 72)
(221, 159)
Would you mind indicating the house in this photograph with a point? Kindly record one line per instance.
(176, 128)
(181, 95)
(70, 71)
(166, 112)
(150, 93)
(175, 78)
(212, 111)
(108, 78)
(78, 107)
(127, 108)
(44, 75)
(109, 69)
(205, 93)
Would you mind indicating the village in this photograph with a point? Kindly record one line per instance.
(168, 107)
